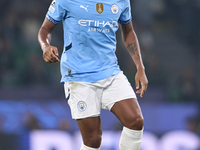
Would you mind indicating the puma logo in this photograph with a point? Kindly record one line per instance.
(81, 6)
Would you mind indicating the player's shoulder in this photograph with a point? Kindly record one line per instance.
(123, 3)
(126, 3)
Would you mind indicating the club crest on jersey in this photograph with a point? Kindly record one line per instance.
(99, 8)
(114, 9)
(81, 106)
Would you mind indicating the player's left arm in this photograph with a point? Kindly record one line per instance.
(131, 42)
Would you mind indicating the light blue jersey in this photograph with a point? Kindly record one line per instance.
(89, 36)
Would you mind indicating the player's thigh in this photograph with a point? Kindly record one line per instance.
(84, 99)
(129, 113)
(119, 89)
(91, 130)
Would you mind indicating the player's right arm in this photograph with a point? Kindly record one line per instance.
(50, 53)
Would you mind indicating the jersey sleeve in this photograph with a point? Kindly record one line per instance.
(125, 16)
(56, 12)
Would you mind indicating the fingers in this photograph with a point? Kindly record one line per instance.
(143, 88)
(55, 55)
(55, 51)
(137, 84)
(51, 55)
(141, 92)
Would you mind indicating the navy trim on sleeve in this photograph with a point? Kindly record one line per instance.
(124, 22)
(51, 19)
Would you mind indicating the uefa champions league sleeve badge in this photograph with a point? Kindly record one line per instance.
(51, 8)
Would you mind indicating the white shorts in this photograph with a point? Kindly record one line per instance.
(87, 99)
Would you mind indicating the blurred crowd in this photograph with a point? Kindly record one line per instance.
(168, 32)
(21, 57)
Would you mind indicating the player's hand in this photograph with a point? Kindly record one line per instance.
(50, 54)
(140, 78)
